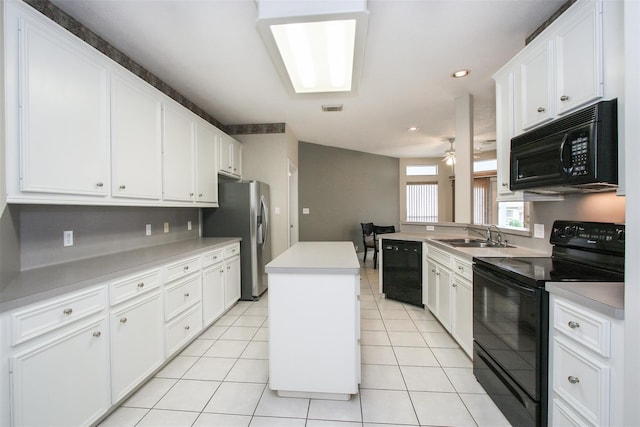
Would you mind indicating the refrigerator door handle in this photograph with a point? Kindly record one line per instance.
(263, 225)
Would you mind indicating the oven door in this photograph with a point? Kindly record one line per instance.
(510, 327)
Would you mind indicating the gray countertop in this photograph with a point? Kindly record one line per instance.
(317, 258)
(604, 297)
(41, 283)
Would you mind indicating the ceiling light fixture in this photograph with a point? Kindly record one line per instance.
(450, 155)
(460, 73)
(412, 129)
(316, 46)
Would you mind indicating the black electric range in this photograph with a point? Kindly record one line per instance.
(511, 312)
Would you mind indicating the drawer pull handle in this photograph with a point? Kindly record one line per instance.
(460, 268)
(540, 110)
(228, 267)
(99, 184)
(564, 98)
(438, 273)
(123, 320)
(433, 270)
(67, 311)
(122, 187)
(186, 267)
(187, 327)
(573, 325)
(191, 194)
(186, 294)
(505, 184)
(141, 285)
(454, 285)
(97, 334)
(222, 271)
(573, 380)
(199, 194)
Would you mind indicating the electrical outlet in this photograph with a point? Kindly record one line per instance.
(67, 238)
(277, 211)
(430, 228)
(147, 230)
(189, 226)
(305, 211)
(166, 227)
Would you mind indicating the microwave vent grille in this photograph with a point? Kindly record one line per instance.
(586, 115)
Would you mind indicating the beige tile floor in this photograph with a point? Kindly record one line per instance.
(413, 374)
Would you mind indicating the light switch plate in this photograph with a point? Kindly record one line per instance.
(147, 230)
(166, 227)
(305, 211)
(189, 226)
(538, 231)
(67, 237)
(277, 211)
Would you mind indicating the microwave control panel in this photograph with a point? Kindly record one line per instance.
(579, 163)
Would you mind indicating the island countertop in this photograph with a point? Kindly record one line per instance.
(317, 258)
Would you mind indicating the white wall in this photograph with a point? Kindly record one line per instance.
(265, 158)
(631, 111)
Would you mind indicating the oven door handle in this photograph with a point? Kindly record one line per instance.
(503, 281)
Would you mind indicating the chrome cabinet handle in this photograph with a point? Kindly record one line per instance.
(540, 110)
(99, 184)
(454, 285)
(573, 380)
(67, 311)
(186, 294)
(123, 320)
(228, 267)
(122, 187)
(564, 98)
(504, 184)
(460, 268)
(97, 334)
(185, 268)
(222, 271)
(437, 273)
(573, 325)
(433, 270)
(187, 327)
(141, 285)
(199, 194)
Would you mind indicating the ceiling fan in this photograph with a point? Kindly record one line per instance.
(450, 155)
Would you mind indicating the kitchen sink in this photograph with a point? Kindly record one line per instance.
(472, 243)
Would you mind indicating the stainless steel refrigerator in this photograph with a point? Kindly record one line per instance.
(244, 212)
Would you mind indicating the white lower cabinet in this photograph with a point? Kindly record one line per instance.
(586, 367)
(449, 294)
(62, 380)
(183, 328)
(137, 338)
(232, 281)
(212, 293)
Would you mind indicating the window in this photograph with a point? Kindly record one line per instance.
(422, 170)
(513, 215)
(422, 202)
(490, 165)
(482, 201)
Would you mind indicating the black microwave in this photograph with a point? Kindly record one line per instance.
(576, 153)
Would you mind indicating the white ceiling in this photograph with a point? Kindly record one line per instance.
(210, 51)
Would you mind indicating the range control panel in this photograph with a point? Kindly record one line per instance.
(596, 235)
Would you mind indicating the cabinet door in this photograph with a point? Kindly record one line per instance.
(64, 115)
(444, 296)
(236, 158)
(65, 381)
(536, 77)
(136, 343)
(177, 156)
(463, 314)
(136, 140)
(579, 59)
(226, 155)
(432, 287)
(504, 130)
(232, 282)
(213, 302)
(206, 163)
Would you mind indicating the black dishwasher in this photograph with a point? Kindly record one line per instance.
(402, 271)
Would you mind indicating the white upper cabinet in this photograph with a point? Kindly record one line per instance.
(230, 161)
(63, 115)
(579, 59)
(136, 139)
(207, 140)
(178, 153)
(536, 77)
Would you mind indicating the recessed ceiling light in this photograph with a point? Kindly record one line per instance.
(412, 129)
(460, 73)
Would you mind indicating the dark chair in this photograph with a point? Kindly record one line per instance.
(380, 229)
(368, 239)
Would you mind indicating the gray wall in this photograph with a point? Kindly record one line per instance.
(343, 188)
(97, 230)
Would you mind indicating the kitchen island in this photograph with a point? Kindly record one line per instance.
(314, 321)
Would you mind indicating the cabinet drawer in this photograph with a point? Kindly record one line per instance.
(586, 327)
(563, 415)
(182, 294)
(183, 328)
(38, 319)
(232, 250)
(132, 286)
(463, 268)
(182, 268)
(439, 255)
(213, 257)
(581, 381)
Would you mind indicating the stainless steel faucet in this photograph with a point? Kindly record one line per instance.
(499, 238)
